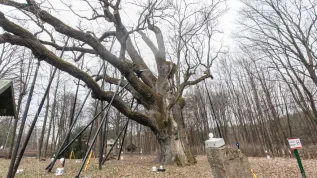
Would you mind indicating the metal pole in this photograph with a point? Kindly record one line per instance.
(213, 111)
(89, 123)
(98, 130)
(17, 162)
(103, 131)
(300, 165)
(50, 166)
(34, 122)
(125, 132)
(8, 133)
(92, 124)
(72, 141)
(11, 171)
(126, 125)
(123, 137)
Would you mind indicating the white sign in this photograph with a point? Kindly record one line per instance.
(294, 143)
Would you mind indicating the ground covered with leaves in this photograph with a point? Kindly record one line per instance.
(134, 166)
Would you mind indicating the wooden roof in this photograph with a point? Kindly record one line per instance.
(7, 103)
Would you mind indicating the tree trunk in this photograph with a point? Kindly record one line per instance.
(173, 149)
(39, 151)
(172, 137)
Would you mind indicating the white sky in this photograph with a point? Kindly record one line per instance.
(228, 22)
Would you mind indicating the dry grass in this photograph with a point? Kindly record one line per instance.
(133, 166)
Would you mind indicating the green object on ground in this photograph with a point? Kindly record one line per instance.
(300, 165)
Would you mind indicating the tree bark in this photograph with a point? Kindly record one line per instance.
(172, 137)
(173, 149)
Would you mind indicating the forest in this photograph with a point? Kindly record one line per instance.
(158, 76)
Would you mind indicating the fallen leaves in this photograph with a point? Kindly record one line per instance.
(134, 167)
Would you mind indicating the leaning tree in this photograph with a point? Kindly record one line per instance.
(181, 59)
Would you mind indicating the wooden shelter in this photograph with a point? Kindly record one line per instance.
(7, 102)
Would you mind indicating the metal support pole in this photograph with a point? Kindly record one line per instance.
(50, 166)
(103, 131)
(28, 136)
(17, 163)
(125, 132)
(8, 133)
(11, 172)
(115, 142)
(92, 124)
(300, 165)
(98, 130)
(213, 111)
(79, 134)
(82, 131)
(123, 137)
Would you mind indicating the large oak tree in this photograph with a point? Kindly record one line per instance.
(185, 62)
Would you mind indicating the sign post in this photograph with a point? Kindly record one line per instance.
(294, 144)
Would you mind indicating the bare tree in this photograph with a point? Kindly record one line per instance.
(283, 28)
(157, 94)
(23, 82)
(9, 62)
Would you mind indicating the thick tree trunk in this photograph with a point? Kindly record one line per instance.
(173, 149)
(172, 137)
(173, 140)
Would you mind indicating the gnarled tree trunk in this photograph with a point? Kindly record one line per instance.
(171, 137)
(173, 149)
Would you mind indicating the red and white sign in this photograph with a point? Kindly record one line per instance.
(294, 143)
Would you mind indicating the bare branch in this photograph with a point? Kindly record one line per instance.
(74, 48)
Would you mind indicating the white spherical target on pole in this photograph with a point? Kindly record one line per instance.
(211, 135)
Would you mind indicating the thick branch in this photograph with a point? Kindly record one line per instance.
(150, 44)
(159, 58)
(128, 87)
(107, 34)
(59, 26)
(159, 39)
(42, 53)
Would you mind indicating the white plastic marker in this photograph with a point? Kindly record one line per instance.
(121, 157)
(62, 160)
(154, 169)
(20, 171)
(267, 154)
(141, 151)
(59, 171)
